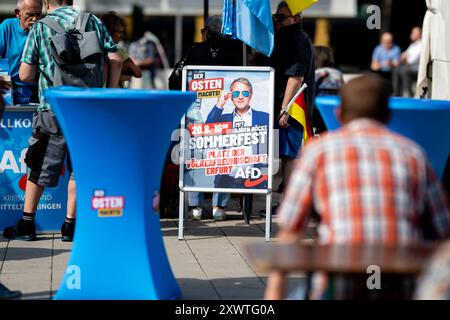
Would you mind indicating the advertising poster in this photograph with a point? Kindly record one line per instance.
(15, 130)
(227, 136)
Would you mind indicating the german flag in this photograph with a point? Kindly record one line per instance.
(299, 5)
(298, 110)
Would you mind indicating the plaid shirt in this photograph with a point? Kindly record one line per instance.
(368, 185)
(37, 49)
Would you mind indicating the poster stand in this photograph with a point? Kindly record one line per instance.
(262, 83)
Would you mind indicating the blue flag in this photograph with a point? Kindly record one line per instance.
(251, 22)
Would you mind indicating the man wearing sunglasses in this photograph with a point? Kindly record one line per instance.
(240, 94)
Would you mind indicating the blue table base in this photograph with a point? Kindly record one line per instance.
(118, 140)
(424, 121)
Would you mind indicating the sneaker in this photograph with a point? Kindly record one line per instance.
(6, 294)
(219, 214)
(67, 231)
(22, 230)
(196, 213)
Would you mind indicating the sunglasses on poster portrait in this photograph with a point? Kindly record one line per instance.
(236, 94)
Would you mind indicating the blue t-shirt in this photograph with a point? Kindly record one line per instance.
(383, 56)
(12, 42)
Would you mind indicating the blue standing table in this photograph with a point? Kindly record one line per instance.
(427, 122)
(118, 141)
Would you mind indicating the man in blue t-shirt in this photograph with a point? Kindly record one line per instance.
(13, 34)
(386, 56)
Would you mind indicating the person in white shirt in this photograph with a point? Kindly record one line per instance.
(409, 65)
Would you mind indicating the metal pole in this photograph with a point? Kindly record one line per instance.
(244, 54)
(181, 202)
(205, 11)
(181, 217)
(178, 37)
(268, 216)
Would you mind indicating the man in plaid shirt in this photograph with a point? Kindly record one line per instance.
(366, 183)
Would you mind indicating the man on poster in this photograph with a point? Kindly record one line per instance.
(243, 117)
(241, 92)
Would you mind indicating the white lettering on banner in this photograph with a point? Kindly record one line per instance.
(13, 197)
(15, 123)
(41, 206)
(23, 165)
(21, 197)
(9, 162)
(11, 206)
(50, 206)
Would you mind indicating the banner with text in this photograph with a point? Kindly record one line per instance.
(15, 130)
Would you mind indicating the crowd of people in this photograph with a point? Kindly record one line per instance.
(363, 183)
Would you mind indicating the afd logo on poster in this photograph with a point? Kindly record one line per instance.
(10, 163)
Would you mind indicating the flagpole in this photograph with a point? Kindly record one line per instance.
(300, 91)
(244, 54)
(205, 11)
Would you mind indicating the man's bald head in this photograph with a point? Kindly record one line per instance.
(365, 97)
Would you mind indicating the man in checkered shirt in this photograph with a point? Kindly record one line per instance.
(366, 183)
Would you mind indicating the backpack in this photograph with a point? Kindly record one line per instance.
(77, 54)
